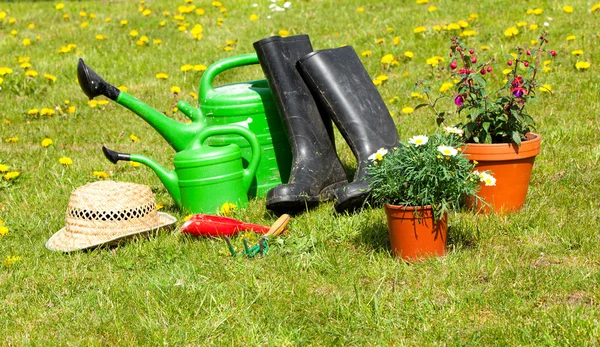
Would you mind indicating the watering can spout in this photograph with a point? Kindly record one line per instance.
(168, 178)
(93, 85)
(177, 134)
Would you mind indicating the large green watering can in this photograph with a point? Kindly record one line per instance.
(249, 104)
(205, 177)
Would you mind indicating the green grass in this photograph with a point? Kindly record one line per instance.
(530, 278)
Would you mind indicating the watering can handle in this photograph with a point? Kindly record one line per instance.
(250, 171)
(209, 75)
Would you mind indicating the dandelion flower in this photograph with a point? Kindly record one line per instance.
(100, 174)
(253, 17)
(3, 168)
(65, 161)
(134, 138)
(567, 9)
(50, 77)
(431, 8)
(420, 29)
(366, 53)
(133, 33)
(571, 37)
(396, 40)
(418, 140)
(3, 230)
(582, 65)
(446, 86)
(45, 111)
(162, 76)
(186, 67)
(46, 142)
(26, 42)
(408, 110)
(577, 52)
(447, 151)
(11, 260)
(33, 112)
(378, 156)
(388, 58)
(60, 6)
(409, 54)
(11, 175)
(227, 208)
(175, 90)
(200, 67)
(284, 33)
(360, 10)
(511, 31)
(546, 88)
(595, 7)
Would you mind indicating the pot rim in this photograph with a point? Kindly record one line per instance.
(408, 207)
(504, 151)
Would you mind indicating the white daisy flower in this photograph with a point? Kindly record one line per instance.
(447, 151)
(418, 140)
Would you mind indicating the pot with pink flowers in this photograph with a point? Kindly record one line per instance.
(498, 128)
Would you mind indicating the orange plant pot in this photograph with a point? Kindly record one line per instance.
(511, 166)
(414, 234)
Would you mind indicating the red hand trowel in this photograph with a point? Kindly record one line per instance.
(207, 225)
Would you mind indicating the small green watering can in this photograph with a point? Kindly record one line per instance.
(205, 177)
(249, 104)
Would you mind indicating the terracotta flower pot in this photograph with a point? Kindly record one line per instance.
(414, 237)
(511, 166)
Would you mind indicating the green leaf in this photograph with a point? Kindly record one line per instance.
(516, 137)
(486, 126)
(420, 105)
(479, 80)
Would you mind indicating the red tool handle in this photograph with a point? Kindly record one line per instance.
(207, 225)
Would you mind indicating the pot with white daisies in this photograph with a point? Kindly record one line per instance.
(498, 129)
(419, 183)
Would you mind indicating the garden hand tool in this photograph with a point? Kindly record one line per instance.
(316, 169)
(205, 177)
(207, 225)
(249, 104)
(263, 245)
(339, 81)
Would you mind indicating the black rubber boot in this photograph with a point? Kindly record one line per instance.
(316, 169)
(338, 79)
(93, 85)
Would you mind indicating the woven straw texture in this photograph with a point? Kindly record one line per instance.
(107, 211)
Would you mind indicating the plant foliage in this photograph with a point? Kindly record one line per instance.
(425, 171)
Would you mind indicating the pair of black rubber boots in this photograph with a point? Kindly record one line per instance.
(311, 89)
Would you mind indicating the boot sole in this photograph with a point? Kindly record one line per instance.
(301, 203)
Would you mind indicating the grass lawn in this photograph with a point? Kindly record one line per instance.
(529, 278)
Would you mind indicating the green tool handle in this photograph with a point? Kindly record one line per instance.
(206, 83)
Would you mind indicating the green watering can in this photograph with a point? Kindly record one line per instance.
(205, 177)
(249, 104)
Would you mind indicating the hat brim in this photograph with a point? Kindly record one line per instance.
(65, 241)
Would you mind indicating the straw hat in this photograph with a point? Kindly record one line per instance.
(106, 212)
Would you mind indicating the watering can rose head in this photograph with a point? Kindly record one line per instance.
(500, 116)
(426, 170)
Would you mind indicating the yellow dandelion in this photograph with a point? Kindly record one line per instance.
(175, 90)
(227, 208)
(521, 24)
(546, 88)
(134, 138)
(200, 11)
(124, 22)
(409, 54)
(3, 169)
(31, 73)
(396, 40)
(65, 161)
(10, 261)
(253, 17)
(5, 70)
(122, 88)
(468, 33)
(194, 95)
(431, 8)
(366, 53)
(11, 175)
(107, 20)
(577, 52)
(46, 142)
(408, 110)
(11, 139)
(50, 77)
(33, 112)
(157, 41)
(360, 10)
(162, 76)
(511, 31)
(419, 29)
(133, 33)
(26, 42)
(100, 37)
(379, 41)
(595, 7)
(388, 58)
(200, 67)
(100, 174)
(567, 8)
(284, 33)
(422, 1)
(382, 78)
(84, 24)
(3, 230)
(134, 164)
(82, 14)
(582, 65)
(571, 37)
(147, 12)
(71, 109)
(186, 67)
(533, 27)
(59, 6)
(446, 86)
